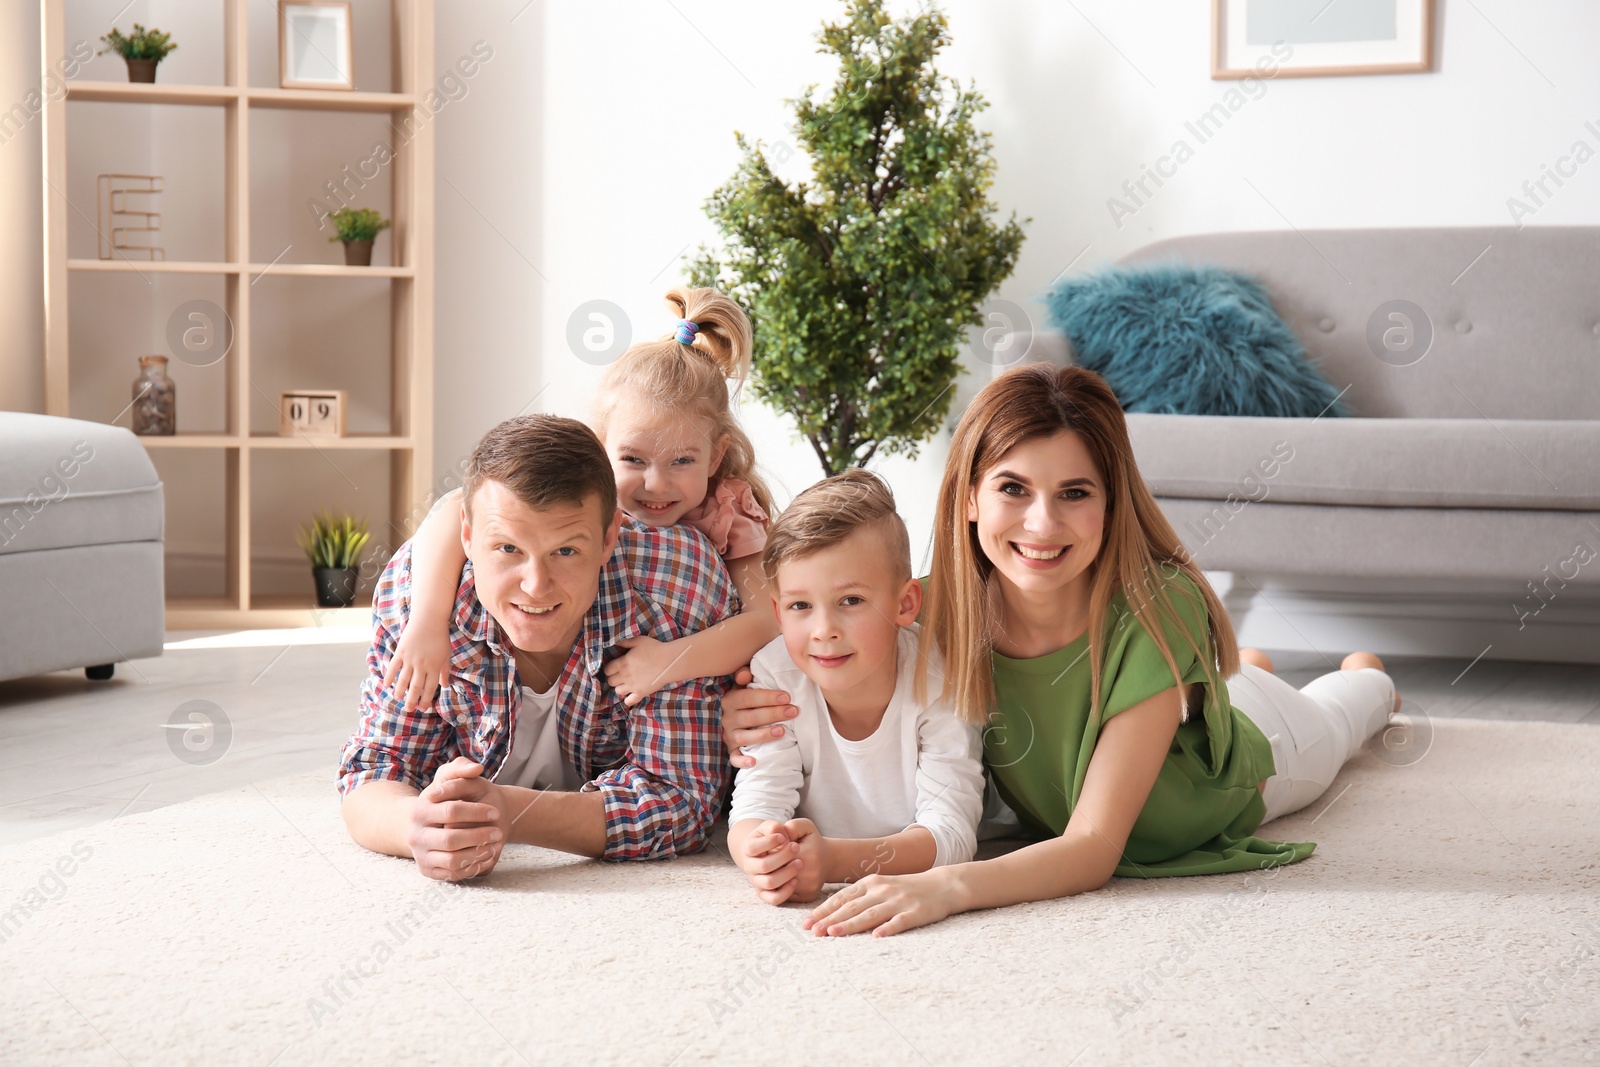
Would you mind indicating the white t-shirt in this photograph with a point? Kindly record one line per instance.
(535, 760)
(920, 766)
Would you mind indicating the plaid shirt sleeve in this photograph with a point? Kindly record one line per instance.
(665, 798)
(388, 744)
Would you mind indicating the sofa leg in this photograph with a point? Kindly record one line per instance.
(1236, 602)
(101, 673)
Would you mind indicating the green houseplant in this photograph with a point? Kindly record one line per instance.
(357, 228)
(862, 282)
(142, 49)
(334, 548)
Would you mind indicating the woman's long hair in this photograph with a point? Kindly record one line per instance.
(692, 379)
(1139, 555)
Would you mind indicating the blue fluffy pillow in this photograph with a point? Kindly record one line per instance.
(1183, 340)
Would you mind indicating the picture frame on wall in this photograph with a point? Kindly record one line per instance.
(1318, 38)
(314, 47)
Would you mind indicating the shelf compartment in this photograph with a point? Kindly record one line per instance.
(267, 613)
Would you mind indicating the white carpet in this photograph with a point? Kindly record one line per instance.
(1451, 914)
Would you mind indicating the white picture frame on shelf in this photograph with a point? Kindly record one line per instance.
(1316, 38)
(314, 46)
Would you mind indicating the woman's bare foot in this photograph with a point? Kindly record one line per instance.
(1356, 661)
(1256, 658)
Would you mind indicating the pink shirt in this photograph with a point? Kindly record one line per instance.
(730, 517)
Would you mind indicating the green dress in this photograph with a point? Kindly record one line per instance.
(1204, 808)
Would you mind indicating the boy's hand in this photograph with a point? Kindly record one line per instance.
(811, 857)
(643, 669)
(768, 860)
(458, 825)
(420, 665)
(751, 716)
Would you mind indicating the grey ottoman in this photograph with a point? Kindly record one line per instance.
(80, 547)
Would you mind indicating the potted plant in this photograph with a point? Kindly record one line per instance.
(357, 227)
(863, 283)
(142, 49)
(334, 547)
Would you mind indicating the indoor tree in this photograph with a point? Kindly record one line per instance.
(862, 282)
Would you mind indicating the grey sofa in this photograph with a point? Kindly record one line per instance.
(80, 547)
(1472, 455)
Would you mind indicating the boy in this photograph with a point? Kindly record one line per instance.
(863, 780)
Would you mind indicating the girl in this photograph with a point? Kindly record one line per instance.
(679, 455)
(1076, 628)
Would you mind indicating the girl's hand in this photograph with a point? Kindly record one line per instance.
(751, 716)
(885, 904)
(420, 665)
(643, 669)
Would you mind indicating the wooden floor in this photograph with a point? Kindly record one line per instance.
(77, 753)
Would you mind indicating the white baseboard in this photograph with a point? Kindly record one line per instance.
(1418, 618)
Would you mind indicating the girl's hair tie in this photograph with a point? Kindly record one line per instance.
(685, 332)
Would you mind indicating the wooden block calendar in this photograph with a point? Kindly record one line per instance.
(311, 413)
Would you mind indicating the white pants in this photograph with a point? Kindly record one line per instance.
(1314, 730)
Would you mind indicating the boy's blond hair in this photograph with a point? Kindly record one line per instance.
(832, 510)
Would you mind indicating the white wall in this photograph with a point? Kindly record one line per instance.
(576, 165)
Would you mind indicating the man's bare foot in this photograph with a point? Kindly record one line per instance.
(1256, 658)
(1356, 661)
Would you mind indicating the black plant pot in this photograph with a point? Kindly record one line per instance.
(336, 586)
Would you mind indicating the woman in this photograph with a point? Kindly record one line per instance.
(1059, 589)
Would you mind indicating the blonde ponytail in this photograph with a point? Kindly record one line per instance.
(723, 329)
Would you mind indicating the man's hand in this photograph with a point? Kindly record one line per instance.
(767, 859)
(458, 824)
(751, 716)
(811, 857)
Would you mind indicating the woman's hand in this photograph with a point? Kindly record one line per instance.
(886, 904)
(643, 669)
(420, 665)
(751, 716)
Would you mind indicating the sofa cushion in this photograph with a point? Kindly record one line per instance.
(66, 483)
(1188, 340)
(1435, 463)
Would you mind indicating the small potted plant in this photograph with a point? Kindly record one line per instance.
(357, 228)
(142, 49)
(334, 546)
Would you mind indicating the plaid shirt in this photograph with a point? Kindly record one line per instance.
(660, 766)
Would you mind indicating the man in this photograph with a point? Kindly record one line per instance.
(555, 578)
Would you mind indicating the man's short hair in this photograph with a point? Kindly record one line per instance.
(832, 510)
(544, 460)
